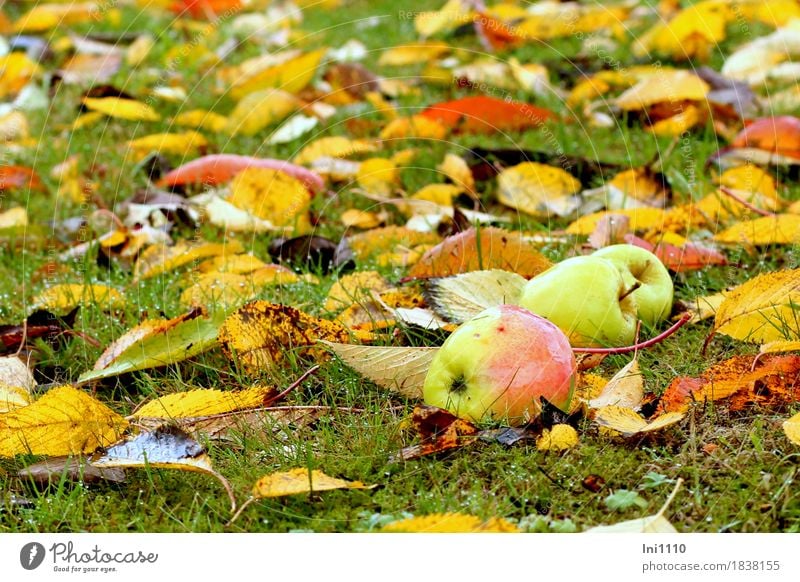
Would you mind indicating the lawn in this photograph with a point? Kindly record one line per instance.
(736, 464)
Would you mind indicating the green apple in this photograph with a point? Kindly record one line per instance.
(640, 267)
(597, 299)
(588, 298)
(498, 364)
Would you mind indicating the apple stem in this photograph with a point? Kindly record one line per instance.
(633, 288)
(640, 346)
(731, 194)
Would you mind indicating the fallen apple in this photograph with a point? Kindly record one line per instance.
(596, 300)
(498, 364)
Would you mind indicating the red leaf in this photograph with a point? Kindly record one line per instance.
(780, 135)
(13, 177)
(206, 8)
(496, 33)
(218, 168)
(480, 114)
(689, 257)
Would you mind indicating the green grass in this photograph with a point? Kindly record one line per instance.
(743, 486)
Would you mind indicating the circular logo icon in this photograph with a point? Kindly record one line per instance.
(31, 555)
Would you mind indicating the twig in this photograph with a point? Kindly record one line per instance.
(294, 385)
(646, 344)
(731, 194)
(239, 512)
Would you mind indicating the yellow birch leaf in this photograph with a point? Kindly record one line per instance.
(16, 71)
(450, 523)
(666, 86)
(139, 49)
(120, 108)
(87, 120)
(259, 109)
(296, 481)
(416, 126)
(702, 308)
(241, 264)
(559, 438)
(378, 176)
(13, 217)
(750, 178)
(291, 76)
(63, 298)
(355, 218)
(262, 334)
(159, 259)
(333, 147)
(218, 291)
(413, 54)
(439, 194)
(65, 421)
(178, 144)
(276, 275)
(387, 239)
(201, 119)
(640, 219)
(354, 288)
(452, 15)
(12, 398)
(780, 347)
(627, 422)
(767, 230)
(204, 402)
(530, 186)
(457, 169)
(763, 309)
(792, 429)
(272, 195)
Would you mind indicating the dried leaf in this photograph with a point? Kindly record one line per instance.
(65, 421)
(768, 230)
(763, 309)
(400, 369)
(558, 438)
(204, 402)
(535, 188)
(260, 109)
(625, 389)
(656, 523)
(791, 428)
(61, 299)
(120, 108)
(296, 481)
(261, 334)
(463, 296)
(273, 196)
(627, 422)
(354, 287)
(450, 523)
(55, 470)
(473, 250)
(159, 259)
(439, 431)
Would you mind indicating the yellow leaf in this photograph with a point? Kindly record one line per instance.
(139, 49)
(263, 334)
(455, 168)
(678, 123)
(87, 120)
(378, 176)
(14, 127)
(274, 196)
(625, 389)
(629, 423)
(202, 119)
(159, 259)
(333, 147)
(792, 429)
(241, 264)
(638, 183)
(16, 70)
(452, 15)
(178, 144)
(204, 402)
(120, 108)
(60, 299)
(296, 481)
(439, 194)
(65, 421)
(768, 230)
(259, 109)
(640, 219)
(450, 523)
(413, 54)
(277, 275)
(530, 187)
(705, 307)
(218, 291)
(763, 309)
(780, 347)
(750, 178)
(13, 217)
(559, 438)
(12, 398)
(354, 288)
(291, 76)
(692, 32)
(45, 16)
(416, 126)
(356, 218)
(666, 86)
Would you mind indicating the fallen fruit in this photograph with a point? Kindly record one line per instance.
(499, 364)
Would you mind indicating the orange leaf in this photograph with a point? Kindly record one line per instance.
(473, 250)
(13, 177)
(207, 9)
(439, 431)
(780, 135)
(772, 383)
(481, 114)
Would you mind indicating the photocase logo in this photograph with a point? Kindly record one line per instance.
(31, 555)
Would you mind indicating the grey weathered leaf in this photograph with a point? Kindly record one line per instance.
(463, 296)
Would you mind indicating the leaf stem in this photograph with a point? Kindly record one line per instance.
(640, 346)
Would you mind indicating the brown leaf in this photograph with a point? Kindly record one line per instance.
(439, 431)
(473, 250)
(73, 469)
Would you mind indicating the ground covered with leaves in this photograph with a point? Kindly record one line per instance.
(234, 234)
